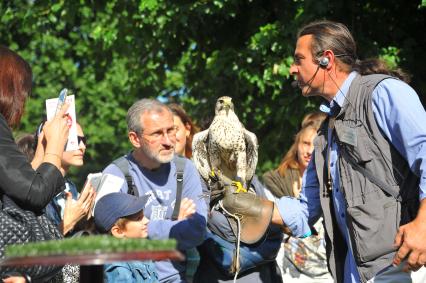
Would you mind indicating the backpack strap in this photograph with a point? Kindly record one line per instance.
(180, 167)
(123, 164)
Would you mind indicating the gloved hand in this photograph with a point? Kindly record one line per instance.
(254, 212)
(218, 183)
(217, 188)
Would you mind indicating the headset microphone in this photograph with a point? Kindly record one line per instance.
(323, 62)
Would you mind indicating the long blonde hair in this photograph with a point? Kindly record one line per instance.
(290, 158)
(311, 121)
(314, 118)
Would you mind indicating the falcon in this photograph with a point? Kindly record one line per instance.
(226, 149)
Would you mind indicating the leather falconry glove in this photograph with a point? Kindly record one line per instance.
(254, 213)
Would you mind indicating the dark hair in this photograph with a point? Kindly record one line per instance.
(15, 85)
(328, 35)
(26, 145)
(187, 121)
(377, 66)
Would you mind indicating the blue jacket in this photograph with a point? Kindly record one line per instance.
(132, 271)
(55, 208)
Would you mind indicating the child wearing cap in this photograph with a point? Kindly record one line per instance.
(122, 216)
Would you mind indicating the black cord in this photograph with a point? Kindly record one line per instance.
(309, 83)
(362, 122)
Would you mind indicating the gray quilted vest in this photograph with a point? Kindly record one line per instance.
(380, 191)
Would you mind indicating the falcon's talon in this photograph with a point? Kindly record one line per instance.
(240, 188)
(213, 176)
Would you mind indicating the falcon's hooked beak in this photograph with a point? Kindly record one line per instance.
(227, 104)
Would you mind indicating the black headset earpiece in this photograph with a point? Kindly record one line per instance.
(323, 62)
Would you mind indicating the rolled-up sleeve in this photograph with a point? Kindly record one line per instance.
(299, 213)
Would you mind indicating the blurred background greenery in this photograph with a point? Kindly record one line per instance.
(111, 53)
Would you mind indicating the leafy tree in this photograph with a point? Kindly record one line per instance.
(112, 53)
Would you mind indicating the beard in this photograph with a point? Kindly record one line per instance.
(159, 156)
(308, 90)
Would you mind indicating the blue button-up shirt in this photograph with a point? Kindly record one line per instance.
(400, 116)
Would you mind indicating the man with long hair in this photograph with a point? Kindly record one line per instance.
(368, 170)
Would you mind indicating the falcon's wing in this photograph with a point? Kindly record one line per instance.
(251, 154)
(200, 155)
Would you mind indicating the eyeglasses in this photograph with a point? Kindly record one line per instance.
(82, 139)
(157, 135)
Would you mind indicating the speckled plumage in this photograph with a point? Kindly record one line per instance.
(226, 146)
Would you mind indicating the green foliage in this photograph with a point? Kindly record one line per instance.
(390, 56)
(114, 52)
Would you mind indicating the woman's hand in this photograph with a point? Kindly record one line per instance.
(55, 137)
(75, 210)
(56, 131)
(187, 209)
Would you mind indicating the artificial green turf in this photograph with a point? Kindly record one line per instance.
(88, 245)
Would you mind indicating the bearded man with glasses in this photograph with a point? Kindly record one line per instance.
(153, 169)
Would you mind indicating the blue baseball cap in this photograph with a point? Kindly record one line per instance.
(114, 206)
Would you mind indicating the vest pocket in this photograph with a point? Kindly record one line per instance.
(373, 227)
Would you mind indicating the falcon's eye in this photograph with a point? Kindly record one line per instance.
(221, 101)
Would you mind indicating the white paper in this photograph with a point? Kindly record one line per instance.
(95, 180)
(72, 143)
(108, 184)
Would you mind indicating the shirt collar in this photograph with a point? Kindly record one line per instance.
(340, 96)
